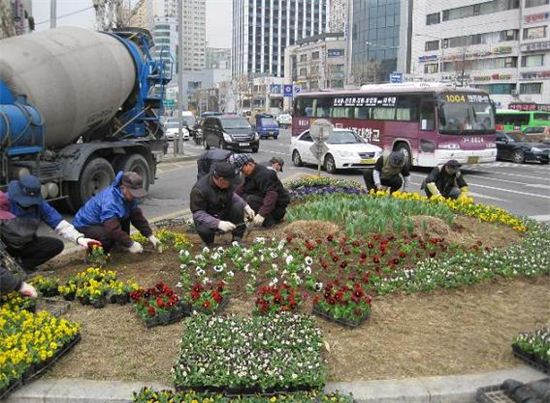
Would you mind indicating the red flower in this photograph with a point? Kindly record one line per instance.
(355, 243)
(289, 238)
(335, 259)
(343, 265)
(216, 296)
(363, 255)
(195, 295)
(206, 304)
(339, 296)
(376, 259)
(402, 254)
(432, 254)
(370, 245)
(151, 311)
(330, 237)
(395, 261)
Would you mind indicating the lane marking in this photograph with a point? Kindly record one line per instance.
(543, 217)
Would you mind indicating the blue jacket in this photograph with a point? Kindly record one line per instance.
(106, 205)
(42, 211)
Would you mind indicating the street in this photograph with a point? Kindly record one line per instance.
(523, 189)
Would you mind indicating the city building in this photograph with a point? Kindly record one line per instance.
(263, 29)
(194, 35)
(502, 46)
(15, 17)
(218, 58)
(315, 63)
(338, 15)
(379, 39)
(165, 36)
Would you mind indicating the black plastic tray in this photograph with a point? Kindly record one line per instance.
(492, 394)
(175, 316)
(252, 391)
(4, 393)
(344, 322)
(533, 361)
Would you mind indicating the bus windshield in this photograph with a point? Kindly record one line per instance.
(466, 113)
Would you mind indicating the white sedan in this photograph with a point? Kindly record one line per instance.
(171, 128)
(345, 150)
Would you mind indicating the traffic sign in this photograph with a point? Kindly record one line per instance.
(318, 149)
(321, 129)
(297, 89)
(169, 103)
(287, 90)
(396, 77)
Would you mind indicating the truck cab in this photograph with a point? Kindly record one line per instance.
(266, 126)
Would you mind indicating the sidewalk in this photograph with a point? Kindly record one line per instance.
(451, 389)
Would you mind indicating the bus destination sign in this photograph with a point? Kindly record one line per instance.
(365, 101)
(466, 98)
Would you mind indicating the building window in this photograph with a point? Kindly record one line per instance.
(303, 58)
(431, 68)
(433, 19)
(502, 89)
(535, 3)
(530, 88)
(315, 56)
(303, 71)
(479, 9)
(432, 45)
(532, 61)
(534, 32)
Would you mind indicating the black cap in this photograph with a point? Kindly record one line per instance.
(134, 183)
(453, 164)
(224, 170)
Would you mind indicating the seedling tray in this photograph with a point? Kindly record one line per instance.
(531, 360)
(344, 322)
(176, 315)
(251, 391)
(219, 308)
(12, 387)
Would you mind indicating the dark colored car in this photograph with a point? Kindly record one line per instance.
(229, 131)
(514, 148)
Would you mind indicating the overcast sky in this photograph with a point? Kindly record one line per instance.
(80, 13)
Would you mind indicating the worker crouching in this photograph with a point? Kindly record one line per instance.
(446, 181)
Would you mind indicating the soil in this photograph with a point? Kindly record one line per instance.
(466, 330)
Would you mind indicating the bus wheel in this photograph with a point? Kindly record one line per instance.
(296, 159)
(404, 148)
(330, 165)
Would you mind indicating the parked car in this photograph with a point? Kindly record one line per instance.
(266, 126)
(284, 120)
(172, 128)
(346, 150)
(229, 131)
(515, 148)
(537, 134)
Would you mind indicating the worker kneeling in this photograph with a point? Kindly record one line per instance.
(216, 207)
(390, 171)
(262, 190)
(107, 216)
(446, 181)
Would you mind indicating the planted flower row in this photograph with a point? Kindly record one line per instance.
(158, 305)
(260, 354)
(30, 341)
(168, 239)
(148, 395)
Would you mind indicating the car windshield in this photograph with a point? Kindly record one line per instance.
(347, 137)
(172, 124)
(268, 122)
(188, 121)
(461, 116)
(235, 123)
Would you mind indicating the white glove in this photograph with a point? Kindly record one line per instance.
(249, 213)
(135, 247)
(226, 226)
(155, 242)
(67, 231)
(258, 220)
(87, 242)
(28, 290)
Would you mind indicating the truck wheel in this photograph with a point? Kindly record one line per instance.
(138, 164)
(96, 175)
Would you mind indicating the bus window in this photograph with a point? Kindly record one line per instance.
(383, 113)
(345, 112)
(427, 115)
(321, 107)
(407, 108)
(362, 112)
(304, 107)
(545, 117)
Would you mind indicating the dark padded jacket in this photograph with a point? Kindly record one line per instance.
(207, 159)
(264, 183)
(443, 180)
(8, 282)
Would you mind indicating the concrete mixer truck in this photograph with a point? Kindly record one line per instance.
(76, 106)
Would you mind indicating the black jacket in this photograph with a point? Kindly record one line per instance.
(265, 183)
(208, 158)
(443, 180)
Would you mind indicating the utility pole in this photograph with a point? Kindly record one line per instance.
(178, 145)
(462, 67)
(53, 14)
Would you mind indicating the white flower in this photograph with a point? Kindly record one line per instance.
(230, 273)
(308, 260)
(206, 249)
(179, 284)
(234, 243)
(289, 259)
(218, 268)
(307, 270)
(205, 280)
(200, 272)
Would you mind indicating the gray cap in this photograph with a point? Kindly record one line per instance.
(397, 158)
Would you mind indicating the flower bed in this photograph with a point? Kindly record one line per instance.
(208, 298)
(534, 348)
(14, 301)
(262, 354)
(30, 343)
(168, 240)
(46, 286)
(277, 298)
(321, 185)
(148, 395)
(158, 305)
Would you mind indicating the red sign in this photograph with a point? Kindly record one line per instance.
(529, 106)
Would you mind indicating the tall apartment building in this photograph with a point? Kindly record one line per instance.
(502, 46)
(262, 29)
(15, 17)
(194, 35)
(379, 38)
(165, 36)
(218, 58)
(338, 15)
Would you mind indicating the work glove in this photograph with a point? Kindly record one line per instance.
(28, 290)
(433, 189)
(463, 192)
(156, 243)
(226, 226)
(258, 220)
(249, 214)
(135, 247)
(87, 243)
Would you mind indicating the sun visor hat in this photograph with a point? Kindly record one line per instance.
(26, 192)
(134, 183)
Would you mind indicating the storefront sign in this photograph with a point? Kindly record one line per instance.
(428, 58)
(495, 76)
(536, 75)
(535, 46)
(537, 17)
(529, 106)
(335, 52)
(501, 50)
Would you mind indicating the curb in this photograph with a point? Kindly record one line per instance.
(439, 389)
(179, 158)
